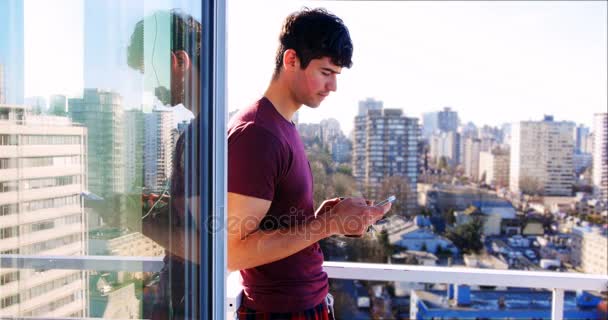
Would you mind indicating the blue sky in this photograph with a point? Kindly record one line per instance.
(493, 62)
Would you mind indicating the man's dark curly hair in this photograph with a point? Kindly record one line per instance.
(185, 35)
(314, 34)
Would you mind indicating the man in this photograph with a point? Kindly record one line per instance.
(174, 76)
(273, 228)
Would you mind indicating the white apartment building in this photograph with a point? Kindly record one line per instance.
(445, 145)
(158, 148)
(590, 250)
(42, 176)
(494, 166)
(600, 155)
(472, 148)
(542, 157)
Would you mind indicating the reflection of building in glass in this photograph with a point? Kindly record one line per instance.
(390, 143)
(600, 155)
(116, 295)
(12, 51)
(541, 157)
(38, 104)
(158, 148)
(42, 177)
(58, 105)
(134, 151)
(2, 87)
(102, 114)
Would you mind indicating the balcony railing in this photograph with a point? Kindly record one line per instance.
(557, 282)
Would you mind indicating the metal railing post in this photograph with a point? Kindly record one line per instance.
(557, 304)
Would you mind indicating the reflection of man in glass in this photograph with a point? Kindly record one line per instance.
(165, 47)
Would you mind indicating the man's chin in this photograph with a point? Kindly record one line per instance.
(313, 104)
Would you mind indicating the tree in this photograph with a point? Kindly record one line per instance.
(467, 236)
(530, 186)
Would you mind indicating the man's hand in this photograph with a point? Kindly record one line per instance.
(326, 206)
(352, 216)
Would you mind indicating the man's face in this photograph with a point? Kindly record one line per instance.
(313, 84)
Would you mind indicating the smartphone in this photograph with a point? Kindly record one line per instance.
(390, 199)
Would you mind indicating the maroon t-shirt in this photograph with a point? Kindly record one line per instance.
(266, 160)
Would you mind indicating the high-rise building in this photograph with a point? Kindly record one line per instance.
(580, 134)
(42, 177)
(494, 167)
(58, 105)
(447, 120)
(470, 159)
(466, 131)
(390, 143)
(134, 150)
(587, 143)
(445, 145)
(158, 148)
(600, 155)
(360, 137)
(541, 157)
(101, 112)
(341, 149)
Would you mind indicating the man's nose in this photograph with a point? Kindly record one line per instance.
(332, 85)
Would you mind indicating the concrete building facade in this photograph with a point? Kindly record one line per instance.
(542, 157)
(42, 176)
(600, 155)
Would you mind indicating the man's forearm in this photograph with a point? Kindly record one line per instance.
(262, 247)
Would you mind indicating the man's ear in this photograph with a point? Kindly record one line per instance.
(290, 60)
(180, 61)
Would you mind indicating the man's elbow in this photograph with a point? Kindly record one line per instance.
(233, 263)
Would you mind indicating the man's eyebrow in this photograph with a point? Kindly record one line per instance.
(330, 70)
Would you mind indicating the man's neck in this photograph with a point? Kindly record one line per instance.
(281, 98)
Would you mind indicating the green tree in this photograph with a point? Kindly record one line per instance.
(467, 236)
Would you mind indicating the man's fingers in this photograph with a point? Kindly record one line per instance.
(385, 208)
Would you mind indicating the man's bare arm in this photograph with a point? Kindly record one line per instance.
(249, 247)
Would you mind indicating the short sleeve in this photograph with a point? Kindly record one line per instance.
(255, 161)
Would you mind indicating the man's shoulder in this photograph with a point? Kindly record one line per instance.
(255, 120)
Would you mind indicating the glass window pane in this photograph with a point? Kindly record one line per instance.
(105, 119)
